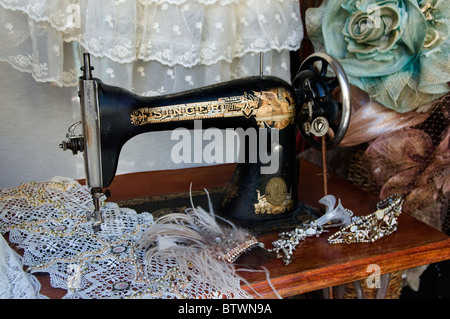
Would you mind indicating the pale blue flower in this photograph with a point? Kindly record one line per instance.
(396, 50)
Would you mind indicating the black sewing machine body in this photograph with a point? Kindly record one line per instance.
(124, 115)
(257, 192)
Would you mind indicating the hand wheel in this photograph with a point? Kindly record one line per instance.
(324, 98)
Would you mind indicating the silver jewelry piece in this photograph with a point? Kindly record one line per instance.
(354, 229)
(284, 247)
(370, 228)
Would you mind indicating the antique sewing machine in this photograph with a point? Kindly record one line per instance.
(317, 103)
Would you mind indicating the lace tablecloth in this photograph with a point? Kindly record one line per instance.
(48, 221)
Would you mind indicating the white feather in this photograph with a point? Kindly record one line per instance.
(195, 239)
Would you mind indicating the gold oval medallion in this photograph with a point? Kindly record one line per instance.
(276, 191)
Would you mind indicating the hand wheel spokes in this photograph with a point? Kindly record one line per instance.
(325, 103)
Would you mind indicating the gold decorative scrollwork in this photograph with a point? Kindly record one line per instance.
(272, 108)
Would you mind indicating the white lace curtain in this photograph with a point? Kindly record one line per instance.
(150, 46)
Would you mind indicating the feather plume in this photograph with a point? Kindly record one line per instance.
(202, 244)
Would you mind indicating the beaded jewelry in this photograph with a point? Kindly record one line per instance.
(355, 229)
(370, 228)
(234, 253)
(289, 240)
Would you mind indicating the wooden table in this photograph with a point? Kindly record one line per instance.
(316, 264)
(319, 265)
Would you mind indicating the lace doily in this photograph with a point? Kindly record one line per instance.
(48, 221)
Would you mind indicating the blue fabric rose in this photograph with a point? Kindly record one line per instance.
(396, 50)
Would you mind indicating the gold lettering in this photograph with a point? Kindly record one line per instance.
(156, 113)
(267, 106)
(177, 112)
(190, 110)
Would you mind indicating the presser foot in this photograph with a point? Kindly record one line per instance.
(97, 192)
(96, 218)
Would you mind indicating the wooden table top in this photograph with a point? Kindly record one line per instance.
(316, 263)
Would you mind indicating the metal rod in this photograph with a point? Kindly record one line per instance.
(324, 166)
(325, 188)
(340, 292)
(87, 68)
(359, 289)
(261, 63)
(384, 285)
